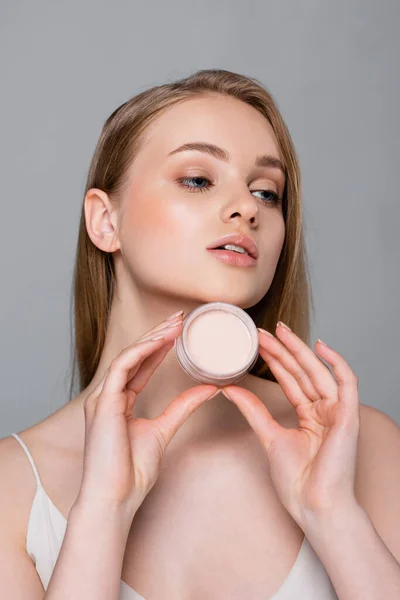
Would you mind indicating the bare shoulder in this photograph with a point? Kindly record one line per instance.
(377, 485)
(371, 415)
(378, 452)
(18, 481)
(18, 487)
(49, 443)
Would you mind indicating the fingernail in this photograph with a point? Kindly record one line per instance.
(264, 331)
(321, 342)
(283, 325)
(226, 395)
(157, 337)
(172, 317)
(174, 325)
(217, 392)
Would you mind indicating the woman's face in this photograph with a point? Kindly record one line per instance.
(166, 227)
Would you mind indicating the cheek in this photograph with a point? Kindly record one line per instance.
(157, 227)
(279, 237)
(274, 238)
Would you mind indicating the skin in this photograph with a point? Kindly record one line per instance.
(159, 233)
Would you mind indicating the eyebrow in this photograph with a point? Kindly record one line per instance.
(264, 160)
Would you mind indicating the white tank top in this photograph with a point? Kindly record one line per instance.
(307, 579)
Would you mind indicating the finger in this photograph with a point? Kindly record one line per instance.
(346, 378)
(145, 371)
(99, 387)
(319, 374)
(130, 359)
(161, 326)
(174, 326)
(289, 384)
(256, 413)
(176, 413)
(275, 354)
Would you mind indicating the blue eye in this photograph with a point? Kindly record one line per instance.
(201, 189)
(276, 199)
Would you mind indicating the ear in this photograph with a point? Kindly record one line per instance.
(101, 220)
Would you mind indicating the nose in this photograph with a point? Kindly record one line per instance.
(243, 206)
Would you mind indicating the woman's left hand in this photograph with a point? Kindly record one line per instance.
(313, 466)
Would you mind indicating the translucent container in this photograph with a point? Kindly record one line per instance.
(218, 344)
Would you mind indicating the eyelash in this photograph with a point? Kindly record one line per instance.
(277, 199)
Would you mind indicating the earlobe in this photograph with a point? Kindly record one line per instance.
(100, 218)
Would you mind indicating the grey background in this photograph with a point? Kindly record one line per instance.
(332, 66)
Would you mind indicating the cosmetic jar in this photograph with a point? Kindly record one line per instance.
(218, 344)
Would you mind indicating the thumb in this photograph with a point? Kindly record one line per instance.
(176, 413)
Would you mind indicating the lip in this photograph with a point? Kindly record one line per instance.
(233, 258)
(240, 239)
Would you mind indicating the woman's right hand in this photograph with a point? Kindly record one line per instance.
(122, 453)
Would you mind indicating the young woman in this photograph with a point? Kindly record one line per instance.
(146, 486)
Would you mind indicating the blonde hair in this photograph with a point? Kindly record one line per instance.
(289, 297)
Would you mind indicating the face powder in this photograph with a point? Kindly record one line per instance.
(218, 344)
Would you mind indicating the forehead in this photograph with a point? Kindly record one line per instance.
(219, 120)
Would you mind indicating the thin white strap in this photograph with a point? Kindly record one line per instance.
(29, 455)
